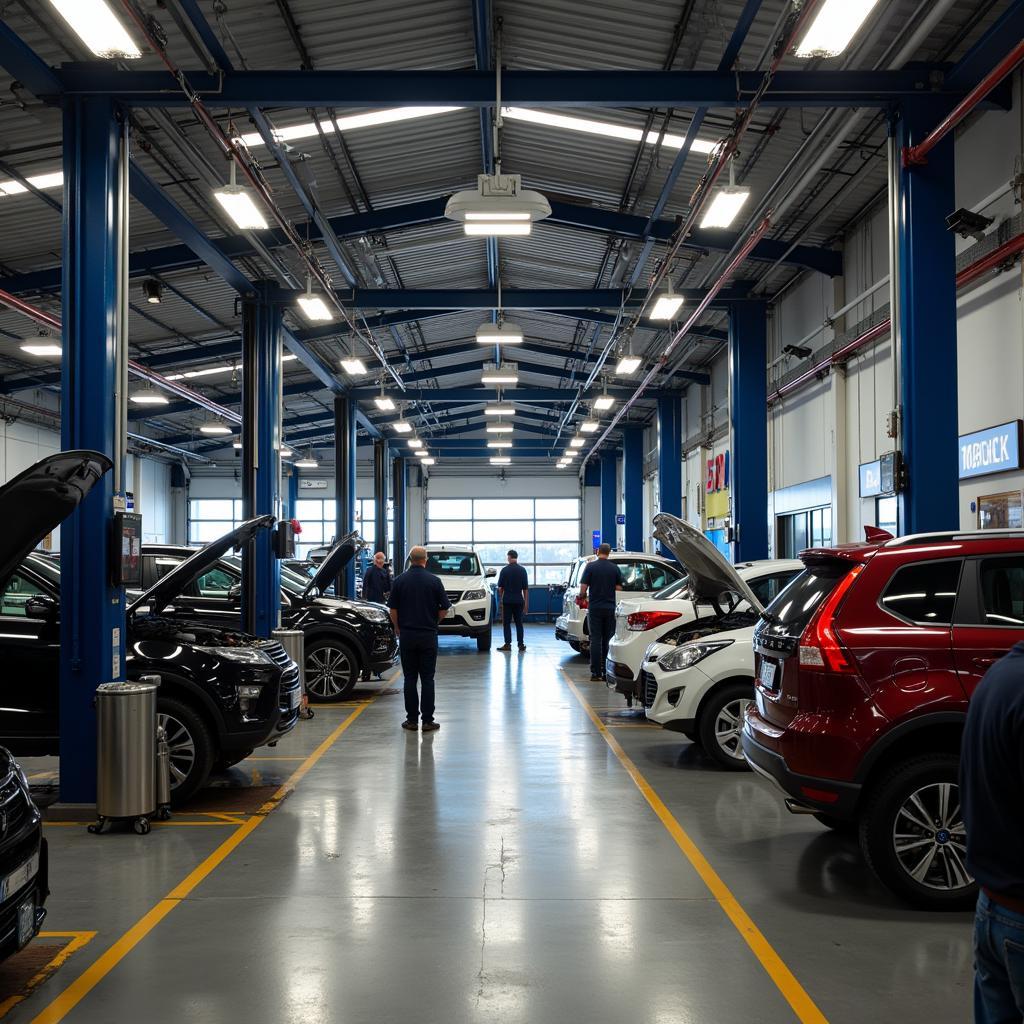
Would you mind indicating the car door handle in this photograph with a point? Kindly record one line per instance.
(983, 663)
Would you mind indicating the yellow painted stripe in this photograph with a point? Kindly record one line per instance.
(785, 981)
(64, 1003)
(77, 941)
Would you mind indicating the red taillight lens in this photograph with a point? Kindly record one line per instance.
(819, 645)
(582, 602)
(639, 622)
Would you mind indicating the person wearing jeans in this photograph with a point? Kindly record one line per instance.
(514, 597)
(598, 585)
(992, 798)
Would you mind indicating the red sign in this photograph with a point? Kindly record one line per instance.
(718, 473)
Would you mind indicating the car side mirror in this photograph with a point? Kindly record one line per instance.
(235, 594)
(41, 607)
(491, 572)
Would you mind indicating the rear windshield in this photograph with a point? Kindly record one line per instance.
(453, 563)
(677, 588)
(796, 604)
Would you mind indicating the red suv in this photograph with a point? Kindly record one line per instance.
(864, 666)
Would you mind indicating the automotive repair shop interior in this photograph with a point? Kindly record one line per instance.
(640, 383)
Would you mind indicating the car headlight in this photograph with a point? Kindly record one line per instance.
(374, 614)
(690, 654)
(246, 655)
(248, 695)
(474, 595)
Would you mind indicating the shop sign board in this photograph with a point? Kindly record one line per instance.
(993, 450)
(718, 473)
(871, 478)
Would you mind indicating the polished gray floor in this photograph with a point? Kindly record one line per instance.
(503, 869)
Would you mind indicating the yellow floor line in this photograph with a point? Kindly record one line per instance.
(785, 981)
(67, 1000)
(153, 824)
(78, 940)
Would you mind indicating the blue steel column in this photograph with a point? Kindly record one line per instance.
(748, 408)
(291, 496)
(670, 460)
(92, 614)
(927, 332)
(633, 486)
(345, 484)
(609, 496)
(398, 491)
(261, 478)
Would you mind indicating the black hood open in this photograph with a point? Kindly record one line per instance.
(38, 500)
(168, 587)
(337, 558)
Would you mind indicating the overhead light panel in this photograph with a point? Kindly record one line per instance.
(725, 206)
(237, 445)
(96, 25)
(313, 306)
(835, 24)
(288, 357)
(502, 333)
(383, 402)
(208, 371)
(500, 444)
(590, 426)
(499, 410)
(422, 453)
(665, 307)
(353, 366)
(286, 453)
(41, 347)
(214, 427)
(499, 428)
(577, 442)
(52, 179)
(500, 373)
(149, 395)
(499, 205)
(153, 290)
(569, 454)
(428, 462)
(501, 460)
(308, 461)
(238, 204)
(628, 362)
(369, 119)
(402, 427)
(414, 442)
(604, 402)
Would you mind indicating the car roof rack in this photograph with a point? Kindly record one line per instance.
(958, 535)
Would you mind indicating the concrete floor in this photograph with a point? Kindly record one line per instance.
(506, 868)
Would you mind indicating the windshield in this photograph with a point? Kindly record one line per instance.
(677, 588)
(48, 568)
(453, 563)
(796, 604)
(290, 581)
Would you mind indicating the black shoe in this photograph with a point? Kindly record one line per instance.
(411, 726)
(522, 647)
(505, 647)
(596, 679)
(431, 726)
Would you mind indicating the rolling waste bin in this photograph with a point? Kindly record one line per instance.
(126, 768)
(294, 643)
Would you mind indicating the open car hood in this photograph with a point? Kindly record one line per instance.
(337, 558)
(710, 573)
(38, 500)
(168, 587)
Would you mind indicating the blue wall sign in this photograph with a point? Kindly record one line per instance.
(597, 539)
(620, 519)
(871, 478)
(994, 450)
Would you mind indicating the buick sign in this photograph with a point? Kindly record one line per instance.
(994, 450)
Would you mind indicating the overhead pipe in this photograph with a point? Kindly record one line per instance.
(996, 258)
(914, 156)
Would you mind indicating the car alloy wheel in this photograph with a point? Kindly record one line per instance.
(329, 672)
(930, 839)
(728, 726)
(182, 747)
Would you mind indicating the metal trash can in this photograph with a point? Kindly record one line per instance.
(294, 643)
(126, 753)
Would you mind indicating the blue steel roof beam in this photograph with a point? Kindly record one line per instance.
(989, 49)
(528, 88)
(25, 66)
(519, 393)
(520, 298)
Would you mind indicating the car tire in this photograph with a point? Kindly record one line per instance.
(575, 645)
(720, 723)
(224, 763)
(920, 797)
(332, 670)
(840, 825)
(483, 643)
(191, 745)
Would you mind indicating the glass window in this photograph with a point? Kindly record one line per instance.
(453, 563)
(558, 508)
(456, 532)
(886, 514)
(17, 592)
(659, 575)
(1002, 591)
(503, 508)
(556, 552)
(450, 508)
(508, 532)
(559, 529)
(634, 576)
(796, 604)
(204, 532)
(767, 588)
(310, 509)
(924, 593)
(545, 574)
(216, 582)
(213, 508)
(1000, 511)
(312, 532)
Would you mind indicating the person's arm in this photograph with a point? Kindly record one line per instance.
(526, 598)
(618, 577)
(443, 604)
(393, 607)
(394, 619)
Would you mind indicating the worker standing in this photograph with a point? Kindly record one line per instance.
(418, 603)
(598, 584)
(377, 580)
(514, 598)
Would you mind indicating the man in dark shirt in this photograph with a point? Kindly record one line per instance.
(514, 597)
(377, 580)
(600, 580)
(992, 796)
(418, 603)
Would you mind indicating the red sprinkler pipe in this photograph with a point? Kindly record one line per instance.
(914, 156)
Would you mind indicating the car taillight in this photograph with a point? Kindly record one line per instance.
(819, 645)
(638, 622)
(582, 602)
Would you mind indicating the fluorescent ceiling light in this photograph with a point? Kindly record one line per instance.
(214, 427)
(499, 428)
(95, 24)
(725, 206)
(237, 445)
(499, 410)
(496, 228)
(401, 427)
(286, 453)
(499, 444)
(499, 205)
(149, 396)
(414, 442)
(422, 453)
(307, 130)
(564, 465)
(604, 402)
(54, 179)
(384, 403)
(314, 308)
(628, 363)
(289, 357)
(307, 461)
(568, 455)
(500, 460)
(428, 462)
(610, 131)
(506, 373)
(237, 203)
(353, 366)
(577, 442)
(504, 333)
(835, 24)
(41, 347)
(665, 307)
(589, 426)
(209, 371)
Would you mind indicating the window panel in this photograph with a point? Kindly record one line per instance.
(213, 508)
(545, 574)
(215, 583)
(17, 592)
(202, 531)
(450, 508)
(558, 508)
(312, 533)
(450, 533)
(559, 529)
(1002, 591)
(503, 531)
(556, 552)
(306, 510)
(503, 508)
(924, 593)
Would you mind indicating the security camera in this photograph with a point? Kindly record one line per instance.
(968, 224)
(800, 351)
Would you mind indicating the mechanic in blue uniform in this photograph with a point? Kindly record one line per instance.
(598, 584)
(418, 603)
(514, 596)
(377, 580)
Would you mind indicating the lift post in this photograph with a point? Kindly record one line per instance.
(380, 495)
(633, 487)
(345, 485)
(92, 613)
(398, 489)
(748, 411)
(261, 450)
(670, 460)
(609, 496)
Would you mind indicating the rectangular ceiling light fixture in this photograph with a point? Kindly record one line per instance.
(835, 24)
(369, 119)
(96, 25)
(402, 427)
(499, 428)
(590, 426)
(628, 364)
(314, 308)
(665, 307)
(55, 179)
(499, 444)
(384, 403)
(353, 366)
(577, 442)
(501, 460)
(604, 402)
(725, 206)
(192, 374)
(238, 204)
(499, 410)
(505, 373)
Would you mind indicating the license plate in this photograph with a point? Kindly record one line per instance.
(26, 921)
(767, 676)
(21, 876)
(295, 698)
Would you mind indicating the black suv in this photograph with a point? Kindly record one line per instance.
(222, 692)
(345, 639)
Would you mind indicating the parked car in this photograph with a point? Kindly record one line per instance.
(709, 578)
(465, 583)
(865, 665)
(642, 575)
(222, 692)
(344, 639)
